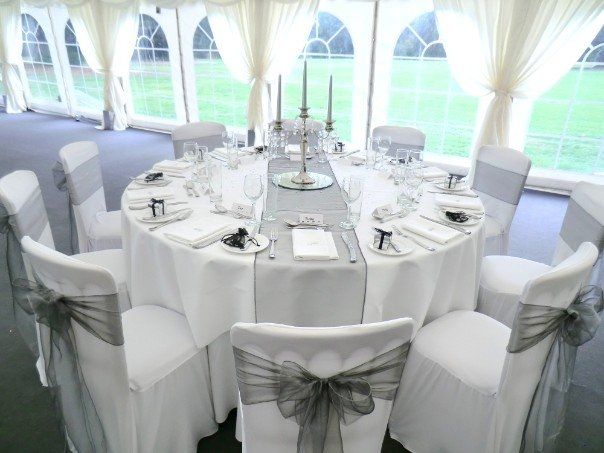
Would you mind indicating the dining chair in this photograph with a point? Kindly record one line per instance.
(95, 227)
(203, 133)
(461, 390)
(310, 360)
(22, 198)
(503, 278)
(401, 137)
(140, 376)
(499, 177)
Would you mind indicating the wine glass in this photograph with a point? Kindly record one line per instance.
(414, 176)
(372, 150)
(190, 152)
(253, 187)
(383, 146)
(351, 189)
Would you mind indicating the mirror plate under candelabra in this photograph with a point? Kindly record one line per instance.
(321, 181)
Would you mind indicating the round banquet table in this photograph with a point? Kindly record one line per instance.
(214, 288)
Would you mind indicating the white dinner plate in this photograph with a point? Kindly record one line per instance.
(262, 244)
(468, 222)
(403, 244)
(460, 187)
(159, 218)
(157, 182)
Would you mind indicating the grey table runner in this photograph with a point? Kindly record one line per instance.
(308, 293)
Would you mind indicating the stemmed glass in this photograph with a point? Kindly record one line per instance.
(351, 189)
(383, 146)
(372, 151)
(414, 177)
(253, 188)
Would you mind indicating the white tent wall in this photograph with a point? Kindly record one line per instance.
(369, 93)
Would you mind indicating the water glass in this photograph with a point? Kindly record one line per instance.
(414, 176)
(202, 151)
(228, 138)
(253, 188)
(399, 166)
(272, 195)
(351, 189)
(232, 157)
(189, 152)
(214, 172)
(383, 145)
(414, 155)
(355, 211)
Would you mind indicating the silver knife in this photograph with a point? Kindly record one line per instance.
(455, 194)
(455, 227)
(351, 250)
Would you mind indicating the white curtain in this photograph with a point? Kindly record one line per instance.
(10, 55)
(106, 32)
(503, 50)
(257, 41)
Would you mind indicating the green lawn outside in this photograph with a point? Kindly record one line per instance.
(422, 94)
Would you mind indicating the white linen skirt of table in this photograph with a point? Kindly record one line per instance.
(214, 288)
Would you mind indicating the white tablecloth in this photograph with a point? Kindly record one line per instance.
(214, 288)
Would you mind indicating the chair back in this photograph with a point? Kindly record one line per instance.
(522, 370)
(22, 198)
(583, 222)
(401, 137)
(204, 133)
(324, 351)
(82, 169)
(103, 365)
(499, 177)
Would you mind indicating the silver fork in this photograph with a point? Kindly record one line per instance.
(411, 238)
(273, 238)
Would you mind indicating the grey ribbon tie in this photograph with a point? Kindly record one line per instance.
(573, 326)
(505, 185)
(100, 316)
(320, 405)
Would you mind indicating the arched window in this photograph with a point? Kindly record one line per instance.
(424, 94)
(38, 61)
(87, 85)
(150, 72)
(329, 51)
(219, 97)
(567, 126)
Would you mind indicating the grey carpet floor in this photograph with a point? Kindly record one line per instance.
(31, 141)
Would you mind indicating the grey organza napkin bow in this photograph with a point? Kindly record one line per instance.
(573, 326)
(100, 316)
(319, 405)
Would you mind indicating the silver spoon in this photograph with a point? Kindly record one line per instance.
(293, 223)
(184, 214)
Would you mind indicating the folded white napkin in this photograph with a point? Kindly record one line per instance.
(172, 165)
(430, 230)
(147, 194)
(220, 152)
(198, 233)
(454, 201)
(313, 245)
(434, 172)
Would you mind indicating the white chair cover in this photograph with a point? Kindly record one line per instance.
(204, 133)
(401, 137)
(324, 352)
(461, 391)
(499, 177)
(503, 277)
(96, 228)
(151, 394)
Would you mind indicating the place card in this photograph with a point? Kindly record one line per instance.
(311, 219)
(242, 209)
(382, 211)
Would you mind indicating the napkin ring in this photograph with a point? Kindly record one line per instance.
(155, 204)
(382, 238)
(154, 176)
(239, 239)
(451, 181)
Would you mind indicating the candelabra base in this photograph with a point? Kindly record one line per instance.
(287, 180)
(303, 178)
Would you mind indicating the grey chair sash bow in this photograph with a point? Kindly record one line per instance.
(319, 405)
(505, 185)
(100, 316)
(80, 184)
(15, 268)
(573, 326)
